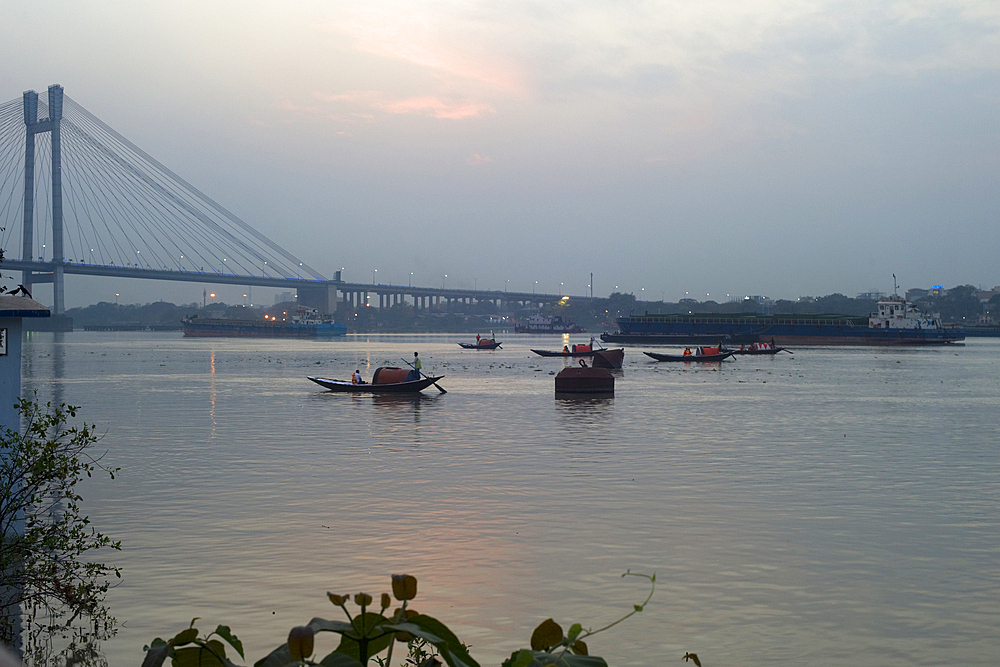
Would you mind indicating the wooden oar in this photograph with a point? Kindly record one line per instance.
(439, 387)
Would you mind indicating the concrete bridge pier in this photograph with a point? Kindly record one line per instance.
(321, 296)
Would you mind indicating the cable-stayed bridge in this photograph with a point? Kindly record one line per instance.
(76, 197)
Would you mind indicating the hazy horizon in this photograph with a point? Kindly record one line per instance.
(670, 149)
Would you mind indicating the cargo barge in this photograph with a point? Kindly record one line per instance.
(896, 322)
(304, 323)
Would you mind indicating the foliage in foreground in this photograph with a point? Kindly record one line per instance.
(44, 535)
(370, 635)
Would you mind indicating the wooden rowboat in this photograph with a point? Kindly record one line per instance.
(482, 345)
(754, 350)
(555, 353)
(346, 386)
(680, 357)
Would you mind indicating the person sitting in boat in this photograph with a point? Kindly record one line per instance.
(687, 351)
(356, 378)
(566, 349)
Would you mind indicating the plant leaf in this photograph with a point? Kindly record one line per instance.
(543, 659)
(437, 633)
(322, 625)
(224, 632)
(279, 657)
(546, 635)
(156, 655)
(521, 658)
(198, 656)
(337, 659)
(185, 637)
(376, 630)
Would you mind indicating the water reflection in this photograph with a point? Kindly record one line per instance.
(585, 407)
(212, 392)
(399, 407)
(393, 401)
(58, 367)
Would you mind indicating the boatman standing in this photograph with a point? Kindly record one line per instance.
(416, 366)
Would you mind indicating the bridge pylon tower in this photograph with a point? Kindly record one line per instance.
(33, 125)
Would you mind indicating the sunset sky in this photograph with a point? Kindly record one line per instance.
(706, 148)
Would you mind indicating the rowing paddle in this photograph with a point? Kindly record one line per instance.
(439, 387)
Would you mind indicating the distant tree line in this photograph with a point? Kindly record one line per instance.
(959, 304)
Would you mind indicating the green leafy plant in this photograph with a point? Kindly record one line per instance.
(551, 646)
(370, 635)
(187, 648)
(44, 535)
(363, 636)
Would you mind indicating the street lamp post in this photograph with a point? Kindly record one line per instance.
(409, 283)
(373, 276)
(442, 280)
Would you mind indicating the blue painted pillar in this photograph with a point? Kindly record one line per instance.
(12, 311)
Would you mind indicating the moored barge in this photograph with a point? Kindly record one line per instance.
(896, 322)
(304, 323)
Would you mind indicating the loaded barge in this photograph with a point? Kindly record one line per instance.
(304, 323)
(896, 322)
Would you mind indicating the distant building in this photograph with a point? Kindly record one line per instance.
(985, 295)
(282, 297)
(872, 295)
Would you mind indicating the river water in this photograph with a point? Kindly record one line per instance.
(835, 506)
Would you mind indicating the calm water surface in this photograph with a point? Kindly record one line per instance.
(828, 507)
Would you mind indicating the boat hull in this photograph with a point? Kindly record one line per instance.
(347, 387)
(680, 357)
(556, 353)
(208, 328)
(473, 346)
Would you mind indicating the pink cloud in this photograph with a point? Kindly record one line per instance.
(433, 106)
(476, 158)
(288, 105)
(424, 106)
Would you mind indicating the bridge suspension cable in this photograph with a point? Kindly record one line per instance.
(123, 208)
